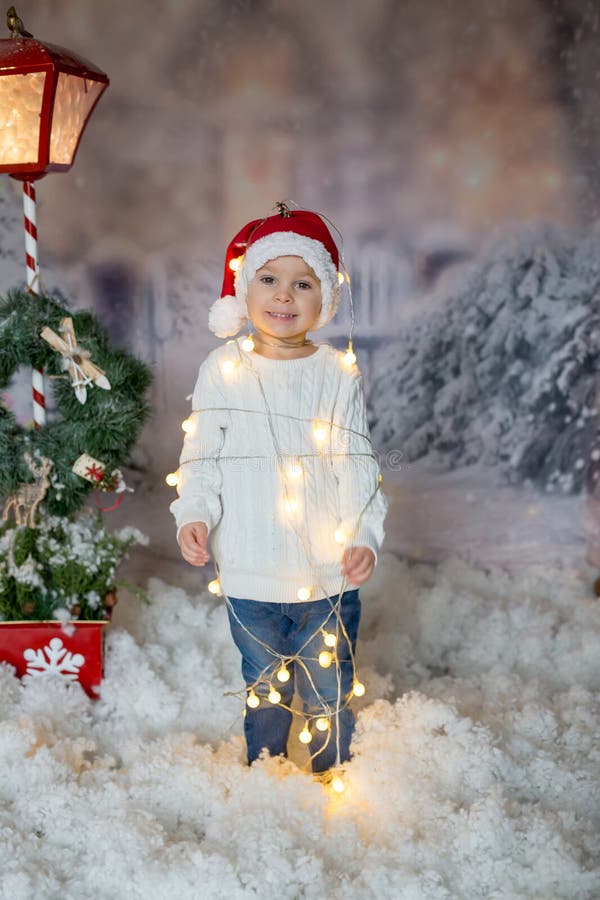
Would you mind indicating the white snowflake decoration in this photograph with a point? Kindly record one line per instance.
(56, 661)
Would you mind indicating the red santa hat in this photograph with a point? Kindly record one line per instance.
(287, 233)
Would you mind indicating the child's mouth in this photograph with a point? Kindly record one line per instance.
(284, 316)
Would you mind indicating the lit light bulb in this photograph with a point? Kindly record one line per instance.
(188, 425)
(304, 593)
(340, 536)
(349, 357)
(295, 470)
(283, 674)
(358, 689)
(320, 432)
(248, 344)
(325, 659)
(214, 586)
(305, 737)
(172, 479)
(340, 277)
(322, 723)
(379, 478)
(228, 366)
(337, 785)
(329, 639)
(274, 696)
(235, 263)
(253, 700)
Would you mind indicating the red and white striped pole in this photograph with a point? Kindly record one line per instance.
(33, 278)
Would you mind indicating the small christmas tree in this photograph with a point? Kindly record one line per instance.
(55, 559)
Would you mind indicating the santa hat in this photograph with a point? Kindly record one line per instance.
(288, 233)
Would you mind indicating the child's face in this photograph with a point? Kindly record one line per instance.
(284, 298)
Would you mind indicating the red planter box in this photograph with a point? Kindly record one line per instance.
(43, 649)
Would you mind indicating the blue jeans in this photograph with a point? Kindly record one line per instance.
(294, 631)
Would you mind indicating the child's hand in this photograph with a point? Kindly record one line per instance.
(358, 564)
(192, 543)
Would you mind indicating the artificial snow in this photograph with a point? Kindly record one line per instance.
(476, 768)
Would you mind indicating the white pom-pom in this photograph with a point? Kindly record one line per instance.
(227, 316)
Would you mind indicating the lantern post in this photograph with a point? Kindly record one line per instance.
(47, 95)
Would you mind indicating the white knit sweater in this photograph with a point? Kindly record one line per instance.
(272, 533)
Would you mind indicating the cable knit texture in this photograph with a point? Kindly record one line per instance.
(272, 533)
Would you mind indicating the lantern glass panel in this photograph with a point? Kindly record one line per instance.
(75, 98)
(20, 111)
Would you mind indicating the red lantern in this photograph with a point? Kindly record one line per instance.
(47, 95)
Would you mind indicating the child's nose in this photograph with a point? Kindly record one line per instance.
(283, 293)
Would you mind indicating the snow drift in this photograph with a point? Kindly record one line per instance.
(475, 771)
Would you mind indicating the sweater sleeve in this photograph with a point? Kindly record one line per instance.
(200, 477)
(363, 505)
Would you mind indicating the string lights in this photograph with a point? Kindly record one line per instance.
(340, 536)
(337, 784)
(349, 357)
(320, 431)
(325, 659)
(253, 701)
(283, 674)
(305, 735)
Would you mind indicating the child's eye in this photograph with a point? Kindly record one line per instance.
(304, 285)
(267, 279)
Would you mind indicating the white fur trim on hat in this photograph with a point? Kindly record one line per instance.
(288, 243)
(227, 316)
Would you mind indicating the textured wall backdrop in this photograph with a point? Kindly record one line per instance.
(419, 127)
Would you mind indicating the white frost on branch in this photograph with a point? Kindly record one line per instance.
(505, 372)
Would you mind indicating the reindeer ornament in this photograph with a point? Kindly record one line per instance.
(28, 496)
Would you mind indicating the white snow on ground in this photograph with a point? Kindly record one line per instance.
(476, 769)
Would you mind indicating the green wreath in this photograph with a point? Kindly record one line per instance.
(106, 426)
